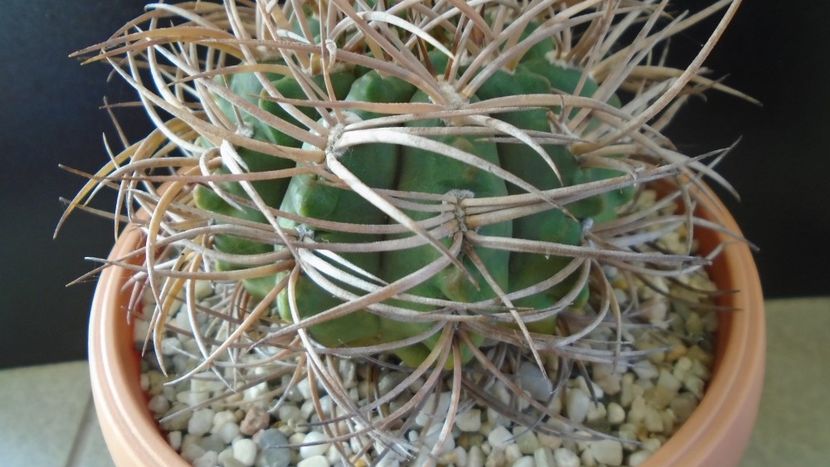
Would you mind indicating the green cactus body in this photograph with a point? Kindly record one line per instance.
(424, 171)
(564, 78)
(527, 269)
(419, 170)
(307, 195)
(248, 87)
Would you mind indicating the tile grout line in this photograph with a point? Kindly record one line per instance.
(81, 434)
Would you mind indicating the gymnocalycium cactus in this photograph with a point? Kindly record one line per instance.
(431, 185)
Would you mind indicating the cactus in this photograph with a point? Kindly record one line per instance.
(429, 184)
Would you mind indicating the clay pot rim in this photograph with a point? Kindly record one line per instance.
(715, 434)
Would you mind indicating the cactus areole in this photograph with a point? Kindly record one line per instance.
(427, 184)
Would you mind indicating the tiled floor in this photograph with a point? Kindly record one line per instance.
(47, 418)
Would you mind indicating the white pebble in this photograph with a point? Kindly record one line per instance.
(653, 420)
(638, 458)
(494, 417)
(495, 458)
(389, 381)
(475, 458)
(192, 451)
(616, 414)
(289, 412)
(174, 439)
(501, 392)
(469, 421)
(159, 404)
(314, 461)
(208, 459)
(512, 453)
(307, 409)
(244, 451)
(431, 436)
(226, 459)
(228, 432)
(652, 444)
(694, 385)
(170, 346)
(645, 369)
(549, 441)
(256, 394)
(526, 461)
(191, 398)
(459, 456)
(655, 310)
(577, 404)
(526, 440)
(499, 438)
(564, 457)
(637, 412)
(597, 411)
(587, 459)
(305, 388)
(221, 418)
(543, 457)
(201, 422)
(315, 449)
(607, 451)
(432, 410)
(297, 438)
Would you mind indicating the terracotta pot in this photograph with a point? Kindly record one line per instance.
(715, 435)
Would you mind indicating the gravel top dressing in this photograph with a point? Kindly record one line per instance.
(243, 417)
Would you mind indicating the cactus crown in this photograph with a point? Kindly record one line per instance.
(396, 180)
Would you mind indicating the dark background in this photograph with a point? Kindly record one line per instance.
(775, 51)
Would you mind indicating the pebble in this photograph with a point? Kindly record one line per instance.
(526, 461)
(289, 413)
(174, 438)
(200, 422)
(191, 451)
(549, 441)
(255, 420)
(645, 369)
(512, 453)
(170, 346)
(543, 457)
(244, 451)
(314, 449)
(191, 398)
(525, 439)
(159, 404)
(213, 443)
(564, 457)
(433, 411)
(228, 432)
(532, 380)
(607, 451)
(221, 418)
(208, 459)
(587, 459)
(577, 404)
(431, 437)
(499, 438)
(475, 458)
(314, 461)
(616, 414)
(469, 421)
(638, 458)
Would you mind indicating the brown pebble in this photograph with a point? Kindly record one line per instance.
(255, 420)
